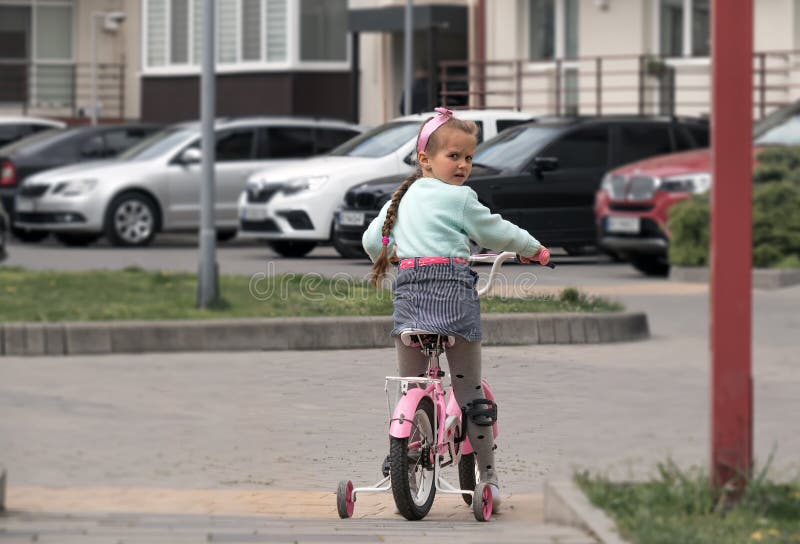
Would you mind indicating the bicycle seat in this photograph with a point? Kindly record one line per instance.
(417, 337)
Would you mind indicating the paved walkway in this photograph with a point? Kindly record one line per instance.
(129, 514)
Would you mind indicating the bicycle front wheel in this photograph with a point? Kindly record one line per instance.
(411, 465)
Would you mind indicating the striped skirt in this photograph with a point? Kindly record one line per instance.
(440, 298)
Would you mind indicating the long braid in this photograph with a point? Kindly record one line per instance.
(382, 262)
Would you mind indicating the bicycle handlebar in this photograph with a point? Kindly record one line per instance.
(497, 260)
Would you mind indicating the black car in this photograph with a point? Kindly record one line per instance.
(541, 175)
(59, 148)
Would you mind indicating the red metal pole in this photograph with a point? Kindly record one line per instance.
(731, 320)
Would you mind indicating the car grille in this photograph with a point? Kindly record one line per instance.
(364, 200)
(298, 219)
(268, 225)
(33, 191)
(262, 194)
(629, 207)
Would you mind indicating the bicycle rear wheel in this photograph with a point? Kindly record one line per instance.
(411, 465)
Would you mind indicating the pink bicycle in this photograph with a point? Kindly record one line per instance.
(426, 433)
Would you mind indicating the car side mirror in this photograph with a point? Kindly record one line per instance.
(190, 156)
(545, 164)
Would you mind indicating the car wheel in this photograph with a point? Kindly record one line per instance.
(131, 220)
(347, 251)
(651, 265)
(226, 235)
(29, 236)
(291, 248)
(77, 239)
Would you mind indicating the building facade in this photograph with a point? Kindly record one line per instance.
(344, 58)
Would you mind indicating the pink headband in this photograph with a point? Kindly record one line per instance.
(443, 115)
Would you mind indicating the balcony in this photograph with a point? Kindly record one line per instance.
(61, 90)
(643, 84)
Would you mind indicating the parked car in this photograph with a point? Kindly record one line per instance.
(542, 175)
(155, 186)
(4, 226)
(292, 207)
(632, 204)
(53, 149)
(16, 128)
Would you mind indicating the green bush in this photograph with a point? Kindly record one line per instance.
(776, 216)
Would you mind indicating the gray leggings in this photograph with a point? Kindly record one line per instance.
(464, 360)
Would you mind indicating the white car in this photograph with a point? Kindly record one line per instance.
(292, 206)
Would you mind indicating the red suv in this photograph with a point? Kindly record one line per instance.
(633, 201)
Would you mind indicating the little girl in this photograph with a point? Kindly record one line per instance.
(433, 215)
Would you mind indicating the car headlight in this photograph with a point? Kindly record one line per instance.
(74, 187)
(690, 183)
(311, 183)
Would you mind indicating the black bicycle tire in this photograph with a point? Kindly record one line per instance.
(398, 467)
(466, 476)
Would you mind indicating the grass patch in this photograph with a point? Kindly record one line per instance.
(137, 294)
(680, 507)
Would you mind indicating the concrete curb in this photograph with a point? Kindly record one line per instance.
(763, 278)
(565, 504)
(299, 333)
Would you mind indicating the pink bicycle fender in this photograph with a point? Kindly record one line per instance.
(405, 408)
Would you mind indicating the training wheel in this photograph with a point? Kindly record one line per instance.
(345, 502)
(482, 502)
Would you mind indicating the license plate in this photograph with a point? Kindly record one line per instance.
(24, 205)
(351, 219)
(254, 213)
(627, 225)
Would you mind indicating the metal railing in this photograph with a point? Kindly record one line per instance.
(62, 89)
(643, 84)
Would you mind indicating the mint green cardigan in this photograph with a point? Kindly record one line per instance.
(438, 219)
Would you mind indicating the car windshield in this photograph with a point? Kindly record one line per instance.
(779, 128)
(379, 141)
(34, 143)
(512, 148)
(158, 144)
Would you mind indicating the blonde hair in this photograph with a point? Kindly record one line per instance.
(434, 143)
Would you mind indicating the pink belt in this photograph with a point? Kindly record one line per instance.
(425, 261)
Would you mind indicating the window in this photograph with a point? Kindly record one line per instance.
(248, 32)
(640, 140)
(684, 27)
(542, 28)
(179, 26)
(479, 136)
(503, 124)
(251, 30)
(235, 145)
(583, 148)
(285, 142)
(93, 148)
(701, 136)
(328, 138)
(683, 140)
(552, 29)
(323, 30)
(379, 141)
(118, 141)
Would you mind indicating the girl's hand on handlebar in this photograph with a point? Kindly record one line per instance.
(542, 257)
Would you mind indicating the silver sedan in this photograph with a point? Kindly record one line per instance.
(155, 186)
